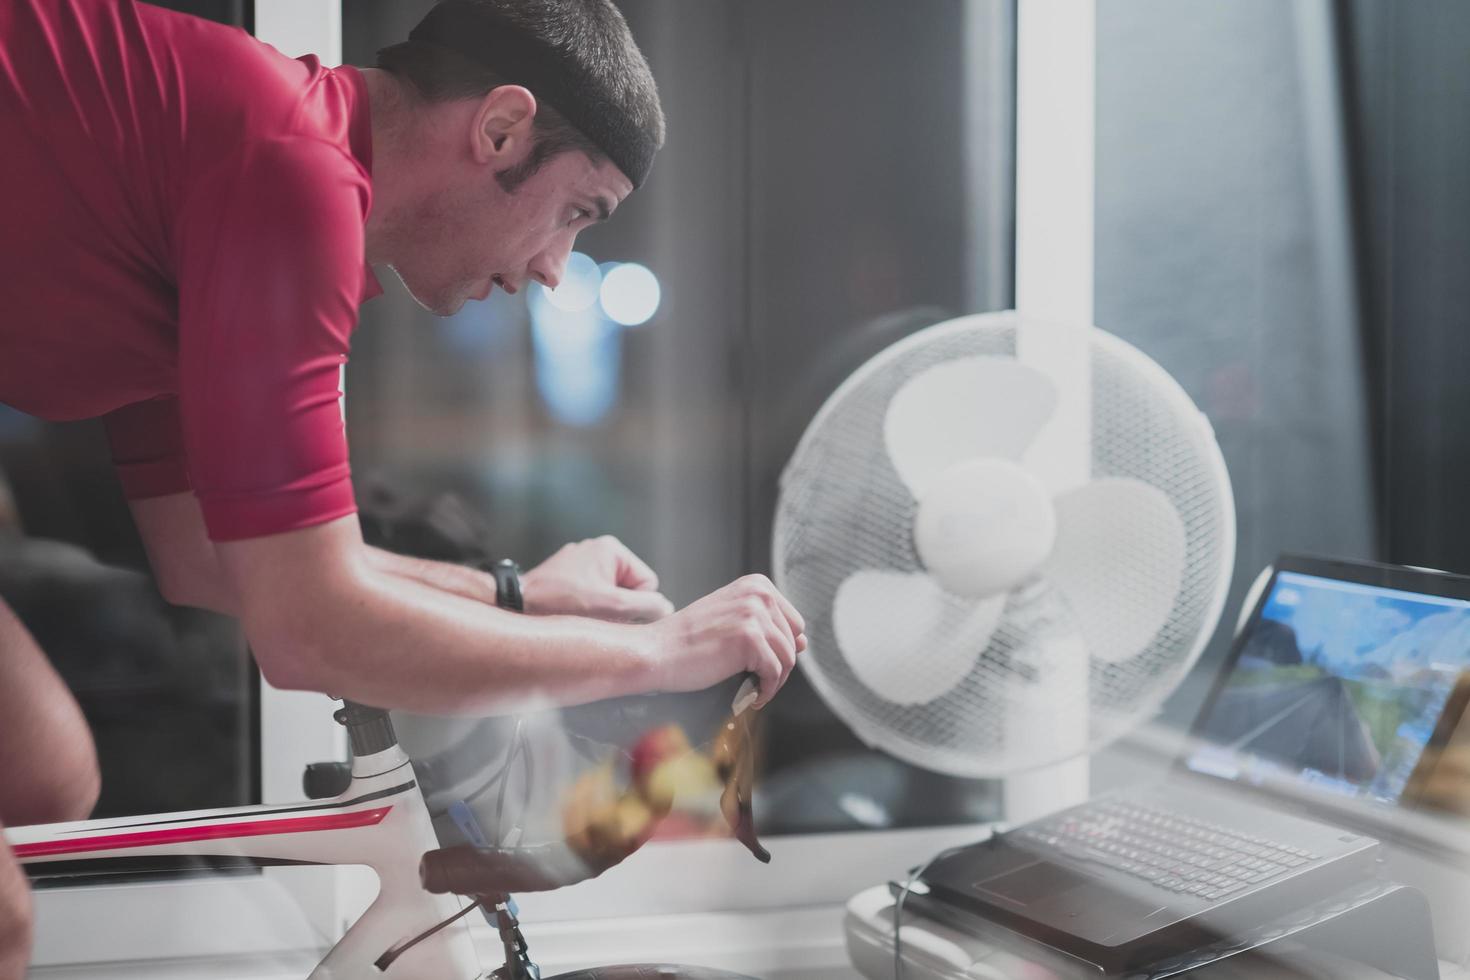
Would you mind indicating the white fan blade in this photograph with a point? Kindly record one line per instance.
(983, 526)
(972, 406)
(905, 638)
(1118, 562)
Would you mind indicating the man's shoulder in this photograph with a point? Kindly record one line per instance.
(238, 65)
(237, 87)
(297, 156)
(290, 181)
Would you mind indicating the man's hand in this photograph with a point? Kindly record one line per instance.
(746, 626)
(599, 577)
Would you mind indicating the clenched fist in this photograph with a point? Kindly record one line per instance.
(598, 577)
(747, 626)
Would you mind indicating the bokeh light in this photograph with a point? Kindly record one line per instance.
(578, 355)
(630, 294)
(579, 284)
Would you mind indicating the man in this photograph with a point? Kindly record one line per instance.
(188, 217)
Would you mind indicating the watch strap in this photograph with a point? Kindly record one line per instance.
(508, 585)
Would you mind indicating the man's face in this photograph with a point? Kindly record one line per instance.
(473, 236)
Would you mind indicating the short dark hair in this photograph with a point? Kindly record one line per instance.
(590, 37)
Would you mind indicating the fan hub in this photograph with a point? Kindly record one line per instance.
(983, 526)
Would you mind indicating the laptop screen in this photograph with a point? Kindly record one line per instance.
(1338, 686)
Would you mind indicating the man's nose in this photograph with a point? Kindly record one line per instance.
(549, 266)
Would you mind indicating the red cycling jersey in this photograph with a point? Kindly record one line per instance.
(181, 251)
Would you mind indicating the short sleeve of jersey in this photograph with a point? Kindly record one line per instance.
(147, 443)
(270, 266)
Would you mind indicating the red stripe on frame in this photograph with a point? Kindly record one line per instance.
(218, 831)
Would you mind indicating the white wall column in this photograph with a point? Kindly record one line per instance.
(1056, 69)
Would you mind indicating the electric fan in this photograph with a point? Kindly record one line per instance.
(967, 611)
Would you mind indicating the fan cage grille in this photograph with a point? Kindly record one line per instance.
(843, 508)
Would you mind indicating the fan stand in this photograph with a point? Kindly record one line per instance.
(1032, 795)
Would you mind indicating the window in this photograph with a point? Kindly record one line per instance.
(805, 213)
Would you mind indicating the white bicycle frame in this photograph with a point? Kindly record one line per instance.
(380, 821)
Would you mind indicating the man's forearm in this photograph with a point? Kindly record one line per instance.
(210, 591)
(396, 642)
(321, 616)
(462, 581)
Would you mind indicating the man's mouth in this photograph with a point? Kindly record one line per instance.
(500, 281)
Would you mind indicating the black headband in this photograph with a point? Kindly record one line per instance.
(490, 40)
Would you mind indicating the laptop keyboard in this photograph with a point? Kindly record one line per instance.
(1167, 849)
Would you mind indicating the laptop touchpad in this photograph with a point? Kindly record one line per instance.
(1084, 906)
(1034, 883)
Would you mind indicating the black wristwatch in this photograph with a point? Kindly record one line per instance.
(508, 585)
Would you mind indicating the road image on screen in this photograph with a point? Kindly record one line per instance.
(1338, 686)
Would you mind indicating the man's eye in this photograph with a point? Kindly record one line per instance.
(580, 214)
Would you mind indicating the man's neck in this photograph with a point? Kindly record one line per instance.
(391, 119)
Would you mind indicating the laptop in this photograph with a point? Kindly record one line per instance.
(1331, 693)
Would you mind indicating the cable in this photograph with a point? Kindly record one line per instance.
(903, 895)
(526, 795)
(504, 766)
(386, 960)
(517, 746)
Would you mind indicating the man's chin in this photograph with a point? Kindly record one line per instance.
(439, 304)
(441, 307)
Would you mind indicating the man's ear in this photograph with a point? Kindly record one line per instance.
(502, 125)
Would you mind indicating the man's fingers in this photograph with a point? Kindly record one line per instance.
(798, 624)
(640, 606)
(767, 588)
(769, 672)
(784, 646)
(631, 572)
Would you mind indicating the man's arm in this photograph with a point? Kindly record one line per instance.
(599, 577)
(320, 616)
(188, 572)
(460, 580)
(184, 561)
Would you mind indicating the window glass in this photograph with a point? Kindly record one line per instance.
(805, 212)
(1223, 252)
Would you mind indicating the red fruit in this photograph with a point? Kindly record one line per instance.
(655, 748)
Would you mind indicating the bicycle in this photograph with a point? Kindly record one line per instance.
(416, 925)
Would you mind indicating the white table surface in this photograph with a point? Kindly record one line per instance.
(776, 944)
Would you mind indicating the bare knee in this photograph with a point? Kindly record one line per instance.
(78, 787)
(17, 918)
(58, 782)
(48, 764)
(64, 787)
(74, 790)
